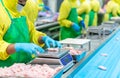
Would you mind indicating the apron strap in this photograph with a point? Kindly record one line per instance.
(6, 9)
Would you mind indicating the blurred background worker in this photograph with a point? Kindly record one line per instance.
(112, 10)
(31, 10)
(42, 6)
(118, 2)
(84, 10)
(20, 41)
(69, 20)
(104, 3)
(95, 7)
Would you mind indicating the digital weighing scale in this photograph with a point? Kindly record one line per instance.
(61, 57)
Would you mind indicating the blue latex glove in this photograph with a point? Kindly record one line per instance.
(29, 48)
(76, 27)
(47, 8)
(50, 42)
(83, 24)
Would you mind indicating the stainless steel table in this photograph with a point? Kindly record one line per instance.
(72, 41)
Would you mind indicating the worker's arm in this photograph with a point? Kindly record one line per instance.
(63, 14)
(35, 35)
(10, 49)
(79, 18)
(95, 5)
(40, 38)
(7, 48)
(81, 9)
(25, 47)
(4, 53)
(115, 10)
(99, 7)
(115, 13)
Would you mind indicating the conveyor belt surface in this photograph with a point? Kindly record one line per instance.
(89, 68)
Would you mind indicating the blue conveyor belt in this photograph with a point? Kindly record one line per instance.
(89, 68)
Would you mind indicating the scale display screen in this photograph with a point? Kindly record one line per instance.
(66, 59)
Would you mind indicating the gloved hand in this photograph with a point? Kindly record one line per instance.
(76, 27)
(47, 8)
(83, 24)
(29, 48)
(50, 42)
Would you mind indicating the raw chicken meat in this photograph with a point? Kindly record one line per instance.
(52, 49)
(29, 71)
(74, 51)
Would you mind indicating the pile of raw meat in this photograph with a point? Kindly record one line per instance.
(29, 71)
(74, 51)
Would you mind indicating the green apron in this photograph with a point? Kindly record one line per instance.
(83, 16)
(91, 17)
(119, 15)
(66, 32)
(110, 15)
(17, 33)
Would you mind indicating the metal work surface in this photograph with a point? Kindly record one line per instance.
(50, 57)
(78, 42)
(46, 25)
(54, 54)
(89, 67)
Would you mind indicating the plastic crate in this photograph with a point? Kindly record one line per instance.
(77, 58)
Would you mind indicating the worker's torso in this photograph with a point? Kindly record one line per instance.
(70, 32)
(17, 32)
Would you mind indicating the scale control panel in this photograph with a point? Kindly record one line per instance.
(66, 61)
